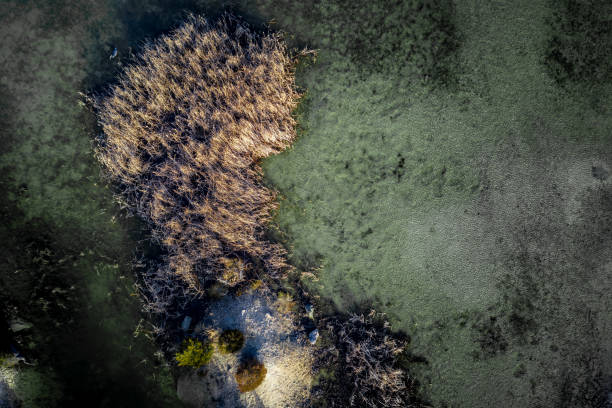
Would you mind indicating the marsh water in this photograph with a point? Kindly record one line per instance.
(443, 175)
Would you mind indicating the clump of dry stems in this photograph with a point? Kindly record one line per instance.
(366, 356)
(183, 133)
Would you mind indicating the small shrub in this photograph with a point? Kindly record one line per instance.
(233, 271)
(249, 287)
(250, 375)
(256, 284)
(231, 341)
(216, 291)
(195, 354)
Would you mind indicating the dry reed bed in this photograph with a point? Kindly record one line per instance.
(183, 133)
(365, 354)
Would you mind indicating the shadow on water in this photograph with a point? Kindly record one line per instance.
(145, 20)
(81, 341)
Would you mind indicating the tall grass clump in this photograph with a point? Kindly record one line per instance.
(250, 375)
(231, 341)
(183, 133)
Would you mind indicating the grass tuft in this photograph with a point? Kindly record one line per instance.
(250, 375)
(231, 341)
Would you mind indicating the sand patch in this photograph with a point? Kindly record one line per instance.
(273, 338)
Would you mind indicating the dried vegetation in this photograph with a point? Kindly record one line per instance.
(183, 133)
(365, 353)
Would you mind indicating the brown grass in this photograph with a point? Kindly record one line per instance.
(366, 354)
(183, 133)
(250, 375)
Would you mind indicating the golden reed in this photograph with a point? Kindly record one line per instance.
(183, 133)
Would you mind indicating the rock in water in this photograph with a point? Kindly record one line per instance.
(313, 336)
(186, 323)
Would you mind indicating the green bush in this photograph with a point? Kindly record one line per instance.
(231, 341)
(195, 354)
(250, 375)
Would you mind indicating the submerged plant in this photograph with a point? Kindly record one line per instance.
(184, 131)
(195, 354)
(231, 341)
(250, 375)
(579, 45)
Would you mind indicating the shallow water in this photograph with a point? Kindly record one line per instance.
(465, 207)
(463, 212)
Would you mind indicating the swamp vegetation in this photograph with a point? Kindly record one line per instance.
(450, 170)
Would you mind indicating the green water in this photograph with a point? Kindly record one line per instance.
(441, 175)
(467, 212)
